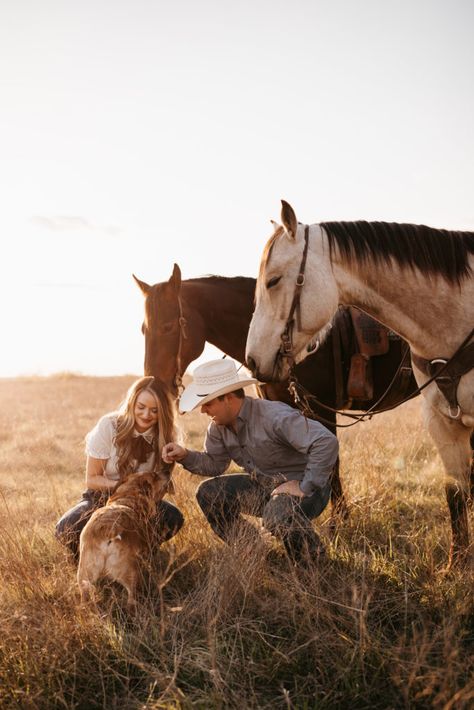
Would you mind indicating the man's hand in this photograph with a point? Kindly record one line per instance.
(173, 452)
(291, 488)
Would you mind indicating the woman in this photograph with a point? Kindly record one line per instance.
(129, 439)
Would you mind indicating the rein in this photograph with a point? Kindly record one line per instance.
(178, 380)
(301, 396)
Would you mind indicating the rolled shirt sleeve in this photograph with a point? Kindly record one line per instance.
(214, 460)
(311, 438)
(272, 439)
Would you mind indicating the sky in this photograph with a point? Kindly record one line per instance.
(139, 133)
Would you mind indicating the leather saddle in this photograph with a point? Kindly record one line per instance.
(371, 338)
(361, 338)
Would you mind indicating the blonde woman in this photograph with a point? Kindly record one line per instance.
(130, 439)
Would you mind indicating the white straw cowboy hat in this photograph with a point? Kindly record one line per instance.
(210, 380)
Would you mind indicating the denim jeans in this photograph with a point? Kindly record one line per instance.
(168, 521)
(222, 500)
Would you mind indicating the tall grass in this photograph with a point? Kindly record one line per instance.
(377, 625)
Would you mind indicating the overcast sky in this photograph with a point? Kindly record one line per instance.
(139, 133)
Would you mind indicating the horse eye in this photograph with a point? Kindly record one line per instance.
(273, 282)
(143, 328)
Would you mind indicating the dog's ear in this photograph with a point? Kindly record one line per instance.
(162, 482)
(146, 486)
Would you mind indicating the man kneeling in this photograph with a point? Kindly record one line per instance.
(288, 460)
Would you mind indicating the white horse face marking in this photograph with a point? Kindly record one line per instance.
(274, 294)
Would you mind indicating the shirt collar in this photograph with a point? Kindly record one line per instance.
(148, 435)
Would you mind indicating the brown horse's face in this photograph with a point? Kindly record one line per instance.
(170, 344)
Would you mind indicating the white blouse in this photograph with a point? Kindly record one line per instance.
(100, 444)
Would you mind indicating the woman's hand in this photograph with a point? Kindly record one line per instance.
(173, 452)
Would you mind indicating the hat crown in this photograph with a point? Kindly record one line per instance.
(215, 373)
(212, 379)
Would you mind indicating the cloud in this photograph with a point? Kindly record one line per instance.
(62, 223)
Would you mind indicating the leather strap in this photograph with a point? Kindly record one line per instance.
(286, 349)
(178, 380)
(450, 371)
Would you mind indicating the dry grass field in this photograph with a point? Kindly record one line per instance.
(377, 625)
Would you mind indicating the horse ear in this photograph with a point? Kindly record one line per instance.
(144, 288)
(288, 218)
(275, 225)
(175, 278)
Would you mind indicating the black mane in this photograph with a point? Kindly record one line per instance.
(233, 281)
(432, 251)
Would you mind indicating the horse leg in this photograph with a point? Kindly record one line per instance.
(338, 499)
(471, 489)
(453, 442)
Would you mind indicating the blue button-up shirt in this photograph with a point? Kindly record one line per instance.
(270, 438)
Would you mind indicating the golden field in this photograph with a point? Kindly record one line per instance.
(378, 625)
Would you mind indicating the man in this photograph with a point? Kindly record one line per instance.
(288, 460)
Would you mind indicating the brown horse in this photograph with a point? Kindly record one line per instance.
(180, 316)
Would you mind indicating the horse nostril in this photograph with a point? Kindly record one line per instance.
(251, 364)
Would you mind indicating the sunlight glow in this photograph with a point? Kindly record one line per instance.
(137, 135)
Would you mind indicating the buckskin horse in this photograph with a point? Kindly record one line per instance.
(180, 316)
(416, 280)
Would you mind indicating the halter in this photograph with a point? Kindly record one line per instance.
(178, 380)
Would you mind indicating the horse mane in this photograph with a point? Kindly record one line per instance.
(267, 251)
(236, 282)
(432, 251)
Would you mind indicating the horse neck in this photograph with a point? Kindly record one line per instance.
(225, 307)
(411, 303)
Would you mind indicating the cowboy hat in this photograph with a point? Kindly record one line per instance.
(210, 380)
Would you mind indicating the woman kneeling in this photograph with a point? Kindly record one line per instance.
(130, 439)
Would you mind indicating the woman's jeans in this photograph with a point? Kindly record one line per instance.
(167, 522)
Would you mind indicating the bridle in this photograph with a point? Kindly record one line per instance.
(178, 379)
(443, 371)
(286, 347)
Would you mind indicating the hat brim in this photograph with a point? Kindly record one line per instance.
(190, 399)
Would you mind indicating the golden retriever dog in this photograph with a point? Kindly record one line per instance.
(117, 536)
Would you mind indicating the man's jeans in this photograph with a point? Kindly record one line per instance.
(222, 500)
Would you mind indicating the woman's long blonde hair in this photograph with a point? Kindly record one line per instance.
(165, 425)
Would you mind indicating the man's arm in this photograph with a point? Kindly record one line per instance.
(318, 443)
(213, 461)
